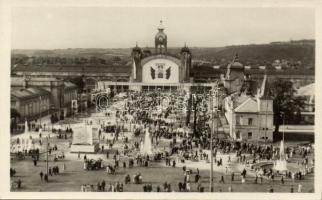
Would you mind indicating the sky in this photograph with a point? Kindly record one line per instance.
(122, 27)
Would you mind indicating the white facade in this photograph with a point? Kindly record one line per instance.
(160, 71)
(250, 120)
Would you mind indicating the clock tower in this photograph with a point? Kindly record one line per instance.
(160, 40)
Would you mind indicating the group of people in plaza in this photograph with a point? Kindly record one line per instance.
(102, 186)
(176, 145)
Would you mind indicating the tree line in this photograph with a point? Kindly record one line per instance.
(57, 60)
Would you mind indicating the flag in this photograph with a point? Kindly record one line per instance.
(134, 69)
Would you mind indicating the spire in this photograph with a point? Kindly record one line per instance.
(265, 89)
(236, 57)
(185, 48)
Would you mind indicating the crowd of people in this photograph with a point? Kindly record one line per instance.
(181, 146)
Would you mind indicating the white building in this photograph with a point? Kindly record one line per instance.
(250, 118)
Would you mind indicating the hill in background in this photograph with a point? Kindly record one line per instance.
(301, 52)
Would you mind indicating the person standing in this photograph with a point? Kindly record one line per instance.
(232, 176)
(46, 177)
(103, 185)
(188, 187)
(299, 188)
(49, 170)
(41, 175)
(35, 162)
(19, 183)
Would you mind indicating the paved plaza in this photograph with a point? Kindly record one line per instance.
(72, 174)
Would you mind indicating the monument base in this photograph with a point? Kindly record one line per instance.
(75, 148)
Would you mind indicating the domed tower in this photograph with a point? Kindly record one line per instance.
(160, 40)
(185, 55)
(234, 76)
(136, 70)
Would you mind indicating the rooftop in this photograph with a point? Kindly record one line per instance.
(28, 93)
(72, 68)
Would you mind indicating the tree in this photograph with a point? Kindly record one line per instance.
(285, 104)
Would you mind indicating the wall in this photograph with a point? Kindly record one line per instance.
(161, 66)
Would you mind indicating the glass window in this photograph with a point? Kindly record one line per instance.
(250, 121)
(250, 135)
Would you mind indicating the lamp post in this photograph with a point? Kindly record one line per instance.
(40, 105)
(211, 143)
(47, 145)
(212, 93)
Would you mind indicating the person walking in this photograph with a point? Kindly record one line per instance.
(222, 179)
(103, 185)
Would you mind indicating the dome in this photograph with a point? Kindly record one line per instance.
(161, 35)
(236, 65)
(160, 27)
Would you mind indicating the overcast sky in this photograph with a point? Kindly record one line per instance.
(93, 27)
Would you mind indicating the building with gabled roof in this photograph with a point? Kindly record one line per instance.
(34, 96)
(250, 117)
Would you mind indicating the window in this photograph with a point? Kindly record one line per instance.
(250, 121)
(237, 135)
(250, 135)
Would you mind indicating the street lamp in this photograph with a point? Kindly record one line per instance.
(211, 143)
(212, 93)
(40, 105)
(47, 146)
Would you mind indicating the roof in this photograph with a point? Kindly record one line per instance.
(308, 90)
(265, 89)
(17, 81)
(28, 93)
(38, 91)
(73, 68)
(70, 85)
(250, 105)
(237, 65)
(238, 99)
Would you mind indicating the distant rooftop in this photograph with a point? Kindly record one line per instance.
(28, 93)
